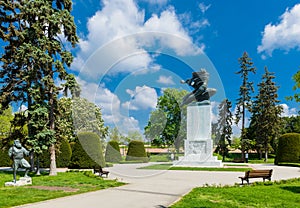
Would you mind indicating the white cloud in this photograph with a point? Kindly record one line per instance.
(285, 35)
(120, 29)
(204, 7)
(156, 2)
(287, 111)
(167, 80)
(141, 98)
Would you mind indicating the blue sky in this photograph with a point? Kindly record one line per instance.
(130, 50)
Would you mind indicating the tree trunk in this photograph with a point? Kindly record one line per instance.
(53, 171)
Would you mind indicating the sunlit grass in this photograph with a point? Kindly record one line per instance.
(72, 183)
(269, 194)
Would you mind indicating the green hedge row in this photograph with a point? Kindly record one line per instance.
(112, 153)
(136, 151)
(288, 149)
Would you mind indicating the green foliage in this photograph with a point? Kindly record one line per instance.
(63, 156)
(64, 128)
(5, 122)
(87, 151)
(288, 148)
(5, 161)
(87, 117)
(112, 153)
(34, 57)
(266, 121)
(167, 124)
(223, 129)
(136, 151)
(244, 101)
(296, 87)
(291, 124)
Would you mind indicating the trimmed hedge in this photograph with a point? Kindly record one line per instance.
(87, 151)
(5, 161)
(288, 149)
(136, 151)
(112, 153)
(62, 155)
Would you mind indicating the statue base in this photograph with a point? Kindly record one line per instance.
(198, 147)
(22, 182)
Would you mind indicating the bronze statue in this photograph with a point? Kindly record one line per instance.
(17, 153)
(201, 93)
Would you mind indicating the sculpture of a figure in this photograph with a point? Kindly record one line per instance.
(200, 93)
(17, 153)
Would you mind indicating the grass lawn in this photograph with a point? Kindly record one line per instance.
(271, 194)
(169, 166)
(50, 187)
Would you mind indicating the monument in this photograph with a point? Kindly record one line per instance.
(17, 153)
(198, 145)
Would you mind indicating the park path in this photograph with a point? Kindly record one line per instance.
(154, 188)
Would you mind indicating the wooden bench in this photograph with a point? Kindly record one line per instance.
(101, 172)
(264, 174)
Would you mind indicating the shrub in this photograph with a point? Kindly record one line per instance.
(5, 161)
(288, 148)
(112, 153)
(63, 156)
(136, 151)
(87, 151)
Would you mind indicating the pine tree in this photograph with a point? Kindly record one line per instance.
(34, 55)
(266, 113)
(244, 101)
(223, 128)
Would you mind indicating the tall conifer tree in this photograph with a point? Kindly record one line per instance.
(244, 100)
(266, 120)
(34, 56)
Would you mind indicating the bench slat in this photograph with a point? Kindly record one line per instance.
(265, 174)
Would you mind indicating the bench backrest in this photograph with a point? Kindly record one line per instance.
(258, 173)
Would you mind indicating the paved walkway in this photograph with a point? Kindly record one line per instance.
(154, 188)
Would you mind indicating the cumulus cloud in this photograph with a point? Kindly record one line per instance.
(110, 105)
(121, 29)
(141, 98)
(287, 111)
(285, 35)
(167, 80)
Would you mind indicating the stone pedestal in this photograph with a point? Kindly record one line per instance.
(23, 181)
(198, 147)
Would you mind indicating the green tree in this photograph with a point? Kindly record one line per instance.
(87, 117)
(5, 122)
(166, 124)
(34, 56)
(114, 134)
(244, 101)
(291, 124)
(135, 135)
(223, 129)
(296, 87)
(266, 120)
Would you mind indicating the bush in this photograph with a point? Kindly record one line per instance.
(87, 151)
(288, 148)
(5, 161)
(136, 151)
(112, 153)
(62, 155)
